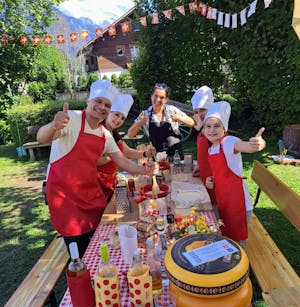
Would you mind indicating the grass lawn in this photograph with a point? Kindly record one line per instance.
(26, 230)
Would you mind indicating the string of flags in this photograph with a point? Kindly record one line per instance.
(227, 20)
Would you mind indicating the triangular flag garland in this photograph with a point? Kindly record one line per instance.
(224, 19)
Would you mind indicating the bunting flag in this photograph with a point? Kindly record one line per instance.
(193, 6)
(252, 8)
(168, 14)
(112, 31)
(73, 37)
(99, 32)
(5, 39)
(125, 27)
(60, 38)
(48, 39)
(143, 21)
(243, 17)
(155, 19)
(228, 20)
(84, 34)
(36, 40)
(24, 40)
(181, 9)
(203, 8)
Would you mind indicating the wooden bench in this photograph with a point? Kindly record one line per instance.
(31, 145)
(278, 281)
(37, 288)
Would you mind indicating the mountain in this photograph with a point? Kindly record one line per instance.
(67, 24)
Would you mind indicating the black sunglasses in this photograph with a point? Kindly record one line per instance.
(162, 85)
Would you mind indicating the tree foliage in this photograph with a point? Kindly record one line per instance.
(18, 17)
(257, 64)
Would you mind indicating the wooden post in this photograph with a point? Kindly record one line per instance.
(291, 136)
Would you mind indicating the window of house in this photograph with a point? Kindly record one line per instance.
(134, 52)
(120, 50)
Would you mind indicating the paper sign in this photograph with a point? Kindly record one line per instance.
(210, 252)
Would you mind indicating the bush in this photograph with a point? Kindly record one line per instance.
(93, 77)
(83, 83)
(114, 80)
(5, 136)
(125, 80)
(39, 91)
(22, 116)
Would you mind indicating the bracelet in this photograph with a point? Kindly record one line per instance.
(144, 154)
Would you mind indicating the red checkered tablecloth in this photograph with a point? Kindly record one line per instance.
(92, 259)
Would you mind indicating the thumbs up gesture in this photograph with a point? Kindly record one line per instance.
(61, 118)
(257, 143)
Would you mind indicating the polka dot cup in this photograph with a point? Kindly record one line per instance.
(140, 287)
(107, 291)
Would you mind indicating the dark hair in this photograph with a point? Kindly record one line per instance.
(162, 86)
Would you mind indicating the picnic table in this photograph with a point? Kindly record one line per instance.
(107, 225)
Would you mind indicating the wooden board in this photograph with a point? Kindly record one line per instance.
(283, 297)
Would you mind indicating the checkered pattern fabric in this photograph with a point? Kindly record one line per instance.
(92, 259)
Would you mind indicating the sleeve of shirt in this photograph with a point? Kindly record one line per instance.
(110, 144)
(228, 144)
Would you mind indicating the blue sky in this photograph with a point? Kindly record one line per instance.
(96, 10)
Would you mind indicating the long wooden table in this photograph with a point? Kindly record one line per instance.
(107, 225)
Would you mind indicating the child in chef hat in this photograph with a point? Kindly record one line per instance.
(201, 101)
(106, 168)
(225, 160)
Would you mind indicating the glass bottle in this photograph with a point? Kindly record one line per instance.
(154, 267)
(106, 267)
(137, 263)
(176, 158)
(76, 267)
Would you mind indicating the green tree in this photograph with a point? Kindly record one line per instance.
(114, 80)
(18, 18)
(125, 80)
(83, 82)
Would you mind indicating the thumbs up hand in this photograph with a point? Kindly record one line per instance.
(175, 117)
(257, 143)
(61, 118)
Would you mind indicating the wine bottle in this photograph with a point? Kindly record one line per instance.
(76, 267)
(106, 267)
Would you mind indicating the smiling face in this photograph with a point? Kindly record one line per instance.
(159, 98)
(115, 120)
(98, 109)
(213, 130)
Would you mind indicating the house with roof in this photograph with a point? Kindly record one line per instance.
(112, 54)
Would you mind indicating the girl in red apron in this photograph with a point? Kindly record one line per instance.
(106, 168)
(232, 195)
(201, 101)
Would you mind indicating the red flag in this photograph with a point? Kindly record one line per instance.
(60, 38)
(84, 34)
(112, 31)
(203, 8)
(24, 40)
(99, 32)
(36, 40)
(193, 7)
(168, 14)
(5, 39)
(73, 37)
(181, 9)
(48, 39)
(125, 27)
(143, 21)
(155, 20)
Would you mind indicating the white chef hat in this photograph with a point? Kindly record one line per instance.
(103, 88)
(220, 110)
(122, 103)
(202, 98)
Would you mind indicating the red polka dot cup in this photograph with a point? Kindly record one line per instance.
(140, 286)
(107, 291)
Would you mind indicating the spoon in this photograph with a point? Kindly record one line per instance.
(155, 186)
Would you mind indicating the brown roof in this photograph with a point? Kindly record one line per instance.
(105, 63)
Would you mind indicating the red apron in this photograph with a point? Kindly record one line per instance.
(230, 198)
(203, 164)
(106, 175)
(76, 201)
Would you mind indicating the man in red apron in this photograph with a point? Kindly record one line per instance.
(76, 201)
(201, 101)
(232, 195)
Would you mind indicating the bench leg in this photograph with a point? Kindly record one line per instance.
(52, 299)
(31, 155)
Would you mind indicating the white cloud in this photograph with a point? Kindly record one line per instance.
(96, 10)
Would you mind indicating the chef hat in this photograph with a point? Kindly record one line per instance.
(122, 103)
(103, 88)
(220, 110)
(202, 98)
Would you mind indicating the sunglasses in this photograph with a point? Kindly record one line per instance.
(162, 85)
